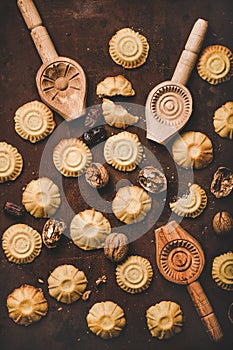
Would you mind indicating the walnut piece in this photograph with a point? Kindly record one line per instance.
(222, 183)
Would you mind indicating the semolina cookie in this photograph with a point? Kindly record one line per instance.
(215, 64)
(223, 120)
(222, 271)
(106, 319)
(128, 48)
(34, 121)
(71, 157)
(193, 149)
(116, 115)
(11, 162)
(21, 243)
(191, 204)
(26, 305)
(41, 198)
(164, 319)
(66, 283)
(112, 86)
(89, 229)
(123, 151)
(134, 275)
(131, 204)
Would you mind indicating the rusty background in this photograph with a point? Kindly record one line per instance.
(81, 30)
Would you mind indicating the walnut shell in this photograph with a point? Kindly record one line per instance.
(222, 222)
(116, 247)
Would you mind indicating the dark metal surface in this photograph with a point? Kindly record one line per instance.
(81, 30)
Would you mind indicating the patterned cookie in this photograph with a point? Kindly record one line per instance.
(71, 157)
(26, 305)
(41, 198)
(123, 151)
(191, 204)
(164, 319)
(11, 162)
(128, 48)
(89, 229)
(223, 120)
(131, 204)
(66, 283)
(134, 275)
(222, 271)
(21, 243)
(215, 64)
(193, 150)
(106, 319)
(116, 115)
(34, 121)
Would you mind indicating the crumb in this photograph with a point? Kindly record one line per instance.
(59, 309)
(102, 279)
(40, 280)
(86, 295)
(204, 231)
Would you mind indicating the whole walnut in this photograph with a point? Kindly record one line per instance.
(222, 222)
(116, 247)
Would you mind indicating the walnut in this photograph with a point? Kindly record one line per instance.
(116, 247)
(222, 222)
(222, 182)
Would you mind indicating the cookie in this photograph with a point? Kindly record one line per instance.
(34, 121)
(66, 283)
(222, 271)
(106, 319)
(112, 86)
(11, 162)
(123, 151)
(21, 243)
(193, 150)
(26, 305)
(41, 198)
(128, 48)
(116, 115)
(89, 229)
(223, 120)
(134, 275)
(71, 157)
(131, 204)
(191, 204)
(215, 64)
(164, 319)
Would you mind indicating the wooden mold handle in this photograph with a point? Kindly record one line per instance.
(39, 34)
(205, 311)
(188, 56)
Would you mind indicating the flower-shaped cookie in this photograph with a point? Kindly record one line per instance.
(66, 283)
(131, 204)
(89, 229)
(164, 319)
(41, 197)
(26, 305)
(106, 319)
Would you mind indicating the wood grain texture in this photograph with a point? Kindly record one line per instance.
(180, 259)
(61, 82)
(81, 30)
